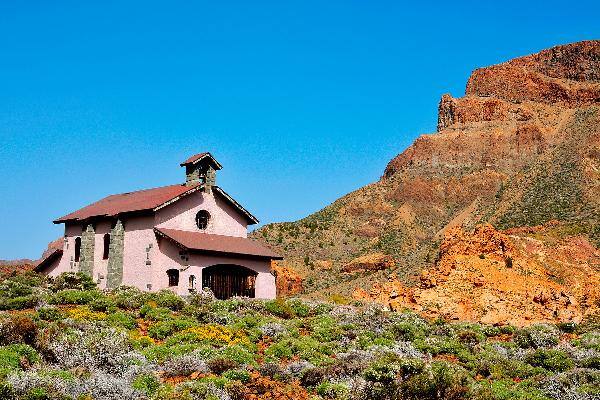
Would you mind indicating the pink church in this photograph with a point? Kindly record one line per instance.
(182, 237)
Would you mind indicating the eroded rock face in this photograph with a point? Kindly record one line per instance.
(370, 262)
(567, 75)
(287, 281)
(489, 276)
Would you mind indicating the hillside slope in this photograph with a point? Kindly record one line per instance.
(521, 148)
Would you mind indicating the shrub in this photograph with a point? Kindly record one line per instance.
(552, 360)
(49, 313)
(21, 284)
(121, 319)
(73, 280)
(92, 347)
(103, 304)
(156, 313)
(537, 336)
(85, 314)
(18, 303)
(18, 329)
(236, 353)
(589, 340)
(272, 329)
(146, 383)
(299, 308)
(75, 296)
(129, 298)
(506, 390)
(330, 390)
(312, 377)
(219, 365)
(306, 347)
(15, 356)
(168, 299)
(184, 365)
(279, 308)
(439, 381)
(163, 329)
(237, 375)
(497, 366)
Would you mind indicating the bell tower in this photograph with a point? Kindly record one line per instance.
(201, 169)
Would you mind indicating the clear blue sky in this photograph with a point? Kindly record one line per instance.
(301, 102)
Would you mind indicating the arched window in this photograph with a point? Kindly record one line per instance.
(202, 218)
(106, 246)
(173, 275)
(192, 281)
(77, 248)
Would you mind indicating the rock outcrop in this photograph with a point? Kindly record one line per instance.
(490, 277)
(370, 262)
(287, 281)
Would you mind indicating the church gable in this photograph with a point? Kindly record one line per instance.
(203, 212)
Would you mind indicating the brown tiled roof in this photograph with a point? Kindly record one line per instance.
(141, 200)
(217, 243)
(197, 157)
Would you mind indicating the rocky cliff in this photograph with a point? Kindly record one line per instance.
(520, 149)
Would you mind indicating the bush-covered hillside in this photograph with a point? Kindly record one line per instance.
(63, 339)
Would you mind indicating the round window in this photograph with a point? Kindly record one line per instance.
(202, 218)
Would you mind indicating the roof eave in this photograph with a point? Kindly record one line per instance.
(207, 154)
(176, 198)
(251, 218)
(42, 264)
(216, 252)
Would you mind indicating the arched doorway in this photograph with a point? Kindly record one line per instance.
(228, 280)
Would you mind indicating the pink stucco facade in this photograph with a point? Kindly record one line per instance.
(147, 256)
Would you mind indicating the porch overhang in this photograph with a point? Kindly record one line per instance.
(217, 244)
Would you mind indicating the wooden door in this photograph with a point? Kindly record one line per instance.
(227, 280)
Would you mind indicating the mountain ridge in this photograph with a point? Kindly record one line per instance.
(520, 149)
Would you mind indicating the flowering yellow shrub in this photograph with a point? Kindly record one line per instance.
(140, 340)
(84, 313)
(218, 334)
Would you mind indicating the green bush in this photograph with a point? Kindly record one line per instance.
(121, 319)
(537, 336)
(506, 390)
(13, 357)
(299, 308)
(589, 340)
(492, 365)
(49, 313)
(279, 308)
(102, 304)
(330, 390)
(146, 383)
(75, 296)
(73, 280)
(306, 347)
(440, 381)
(390, 368)
(21, 284)
(552, 360)
(156, 313)
(168, 299)
(129, 298)
(237, 375)
(236, 353)
(18, 303)
(163, 329)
